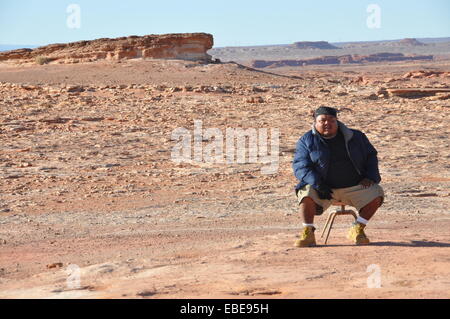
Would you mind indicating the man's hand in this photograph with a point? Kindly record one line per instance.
(366, 183)
(324, 192)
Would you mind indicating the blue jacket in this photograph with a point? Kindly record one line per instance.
(312, 157)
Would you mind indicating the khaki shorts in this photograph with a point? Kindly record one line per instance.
(356, 196)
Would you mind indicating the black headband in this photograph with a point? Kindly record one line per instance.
(325, 110)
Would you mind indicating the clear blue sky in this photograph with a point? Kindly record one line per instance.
(231, 22)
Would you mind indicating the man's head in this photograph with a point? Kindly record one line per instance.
(325, 121)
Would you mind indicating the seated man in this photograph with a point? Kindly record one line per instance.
(333, 162)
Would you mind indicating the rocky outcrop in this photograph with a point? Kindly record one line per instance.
(425, 74)
(343, 59)
(186, 46)
(322, 45)
(418, 92)
(410, 42)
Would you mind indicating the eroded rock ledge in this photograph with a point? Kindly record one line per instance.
(185, 46)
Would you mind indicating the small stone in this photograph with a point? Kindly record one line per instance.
(255, 99)
(75, 88)
(54, 265)
(372, 96)
(112, 165)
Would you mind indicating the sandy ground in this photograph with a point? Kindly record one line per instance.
(93, 206)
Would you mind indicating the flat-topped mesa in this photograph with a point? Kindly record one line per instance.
(410, 42)
(322, 45)
(184, 46)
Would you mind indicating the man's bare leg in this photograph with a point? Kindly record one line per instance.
(308, 210)
(369, 210)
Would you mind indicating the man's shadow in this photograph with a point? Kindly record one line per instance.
(412, 243)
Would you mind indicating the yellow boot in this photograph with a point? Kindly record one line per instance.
(307, 238)
(357, 235)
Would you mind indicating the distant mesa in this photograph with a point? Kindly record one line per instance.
(322, 45)
(410, 42)
(342, 59)
(407, 42)
(184, 46)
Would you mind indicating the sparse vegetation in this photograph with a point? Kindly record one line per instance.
(42, 60)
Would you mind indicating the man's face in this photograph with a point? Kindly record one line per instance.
(326, 125)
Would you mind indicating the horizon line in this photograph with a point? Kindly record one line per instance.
(25, 46)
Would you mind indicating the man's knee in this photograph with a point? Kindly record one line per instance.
(375, 203)
(308, 203)
(378, 201)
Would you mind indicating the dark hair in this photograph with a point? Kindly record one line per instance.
(325, 110)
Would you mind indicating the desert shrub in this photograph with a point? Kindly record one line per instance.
(42, 60)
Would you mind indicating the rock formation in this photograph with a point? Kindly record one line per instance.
(419, 92)
(425, 74)
(323, 45)
(342, 59)
(410, 42)
(186, 46)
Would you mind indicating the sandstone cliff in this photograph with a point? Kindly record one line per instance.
(186, 46)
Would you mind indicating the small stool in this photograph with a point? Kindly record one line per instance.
(332, 216)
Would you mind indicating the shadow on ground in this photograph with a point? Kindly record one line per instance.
(413, 243)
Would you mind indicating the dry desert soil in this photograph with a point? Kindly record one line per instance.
(92, 205)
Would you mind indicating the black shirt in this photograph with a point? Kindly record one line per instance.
(342, 172)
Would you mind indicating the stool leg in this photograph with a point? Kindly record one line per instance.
(326, 224)
(329, 228)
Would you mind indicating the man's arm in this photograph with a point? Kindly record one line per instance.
(371, 165)
(303, 166)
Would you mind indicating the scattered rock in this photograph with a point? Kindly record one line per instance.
(56, 120)
(146, 293)
(255, 99)
(112, 165)
(258, 89)
(13, 176)
(372, 96)
(92, 119)
(439, 97)
(75, 88)
(425, 74)
(425, 195)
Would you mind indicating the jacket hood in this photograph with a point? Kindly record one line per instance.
(348, 134)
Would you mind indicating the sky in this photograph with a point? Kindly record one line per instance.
(231, 22)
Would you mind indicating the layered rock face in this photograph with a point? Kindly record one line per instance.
(185, 46)
(342, 59)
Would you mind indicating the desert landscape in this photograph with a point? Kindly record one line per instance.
(92, 204)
